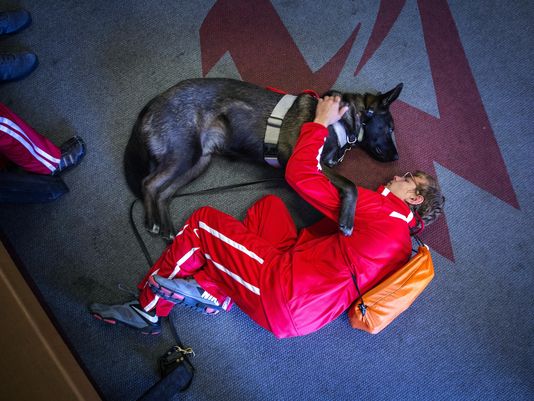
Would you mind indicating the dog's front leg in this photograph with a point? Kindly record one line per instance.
(348, 194)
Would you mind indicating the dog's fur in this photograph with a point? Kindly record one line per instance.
(177, 133)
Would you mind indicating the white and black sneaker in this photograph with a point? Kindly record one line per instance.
(130, 314)
(187, 293)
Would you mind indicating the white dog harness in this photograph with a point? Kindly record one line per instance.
(272, 131)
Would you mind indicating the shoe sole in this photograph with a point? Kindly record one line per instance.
(150, 331)
(180, 299)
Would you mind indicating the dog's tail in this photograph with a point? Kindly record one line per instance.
(136, 158)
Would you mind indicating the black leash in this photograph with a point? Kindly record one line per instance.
(138, 236)
(200, 192)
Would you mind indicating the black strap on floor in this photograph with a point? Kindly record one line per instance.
(201, 192)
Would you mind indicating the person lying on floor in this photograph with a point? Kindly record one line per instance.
(290, 284)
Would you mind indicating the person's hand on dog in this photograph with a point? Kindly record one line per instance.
(329, 111)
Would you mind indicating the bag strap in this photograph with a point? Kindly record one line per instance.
(419, 227)
(361, 306)
(419, 242)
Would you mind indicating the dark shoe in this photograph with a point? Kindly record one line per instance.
(17, 66)
(72, 152)
(14, 21)
(187, 293)
(130, 314)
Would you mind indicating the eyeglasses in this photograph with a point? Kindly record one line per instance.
(408, 174)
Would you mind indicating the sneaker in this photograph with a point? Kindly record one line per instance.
(14, 21)
(14, 66)
(130, 314)
(187, 293)
(72, 152)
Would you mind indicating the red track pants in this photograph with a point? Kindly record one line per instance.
(226, 256)
(24, 146)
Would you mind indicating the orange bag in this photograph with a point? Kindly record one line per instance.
(382, 304)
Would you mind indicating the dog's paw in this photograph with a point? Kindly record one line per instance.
(154, 229)
(168, 233)
(169, 238)
(347, 231)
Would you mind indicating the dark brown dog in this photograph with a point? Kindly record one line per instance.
(177, 133)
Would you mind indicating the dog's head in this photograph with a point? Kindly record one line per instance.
(370, 123)
(378, 126)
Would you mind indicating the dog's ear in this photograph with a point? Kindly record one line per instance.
(385, 99)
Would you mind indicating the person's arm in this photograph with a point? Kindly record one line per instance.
(304, 171)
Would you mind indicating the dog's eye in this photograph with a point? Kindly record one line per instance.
(378, 150)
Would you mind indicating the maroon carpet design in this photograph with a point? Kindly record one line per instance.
(254, 34)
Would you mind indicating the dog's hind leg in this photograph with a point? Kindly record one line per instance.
(151, 185)
(164, 197)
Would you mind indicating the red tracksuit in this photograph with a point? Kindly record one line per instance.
(290, 284)
(24, 146)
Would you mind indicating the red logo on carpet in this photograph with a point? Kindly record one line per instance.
(460, 139)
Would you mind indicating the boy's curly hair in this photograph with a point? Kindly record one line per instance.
(432, 206)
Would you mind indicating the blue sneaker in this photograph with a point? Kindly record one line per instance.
(130, 314)
(14, 66)
(187, 293)
(14, 21)
(72, 153)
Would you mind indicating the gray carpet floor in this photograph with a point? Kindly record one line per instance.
(464, 115)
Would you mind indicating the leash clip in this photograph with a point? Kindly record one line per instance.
(352, 139)
(363, 308)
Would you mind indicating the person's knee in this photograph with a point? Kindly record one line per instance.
(204, 213)
(205, 209)
(272, 200)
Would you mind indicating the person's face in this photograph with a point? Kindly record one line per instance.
(404, 187)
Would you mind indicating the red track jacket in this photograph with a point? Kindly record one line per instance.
(318, 284)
